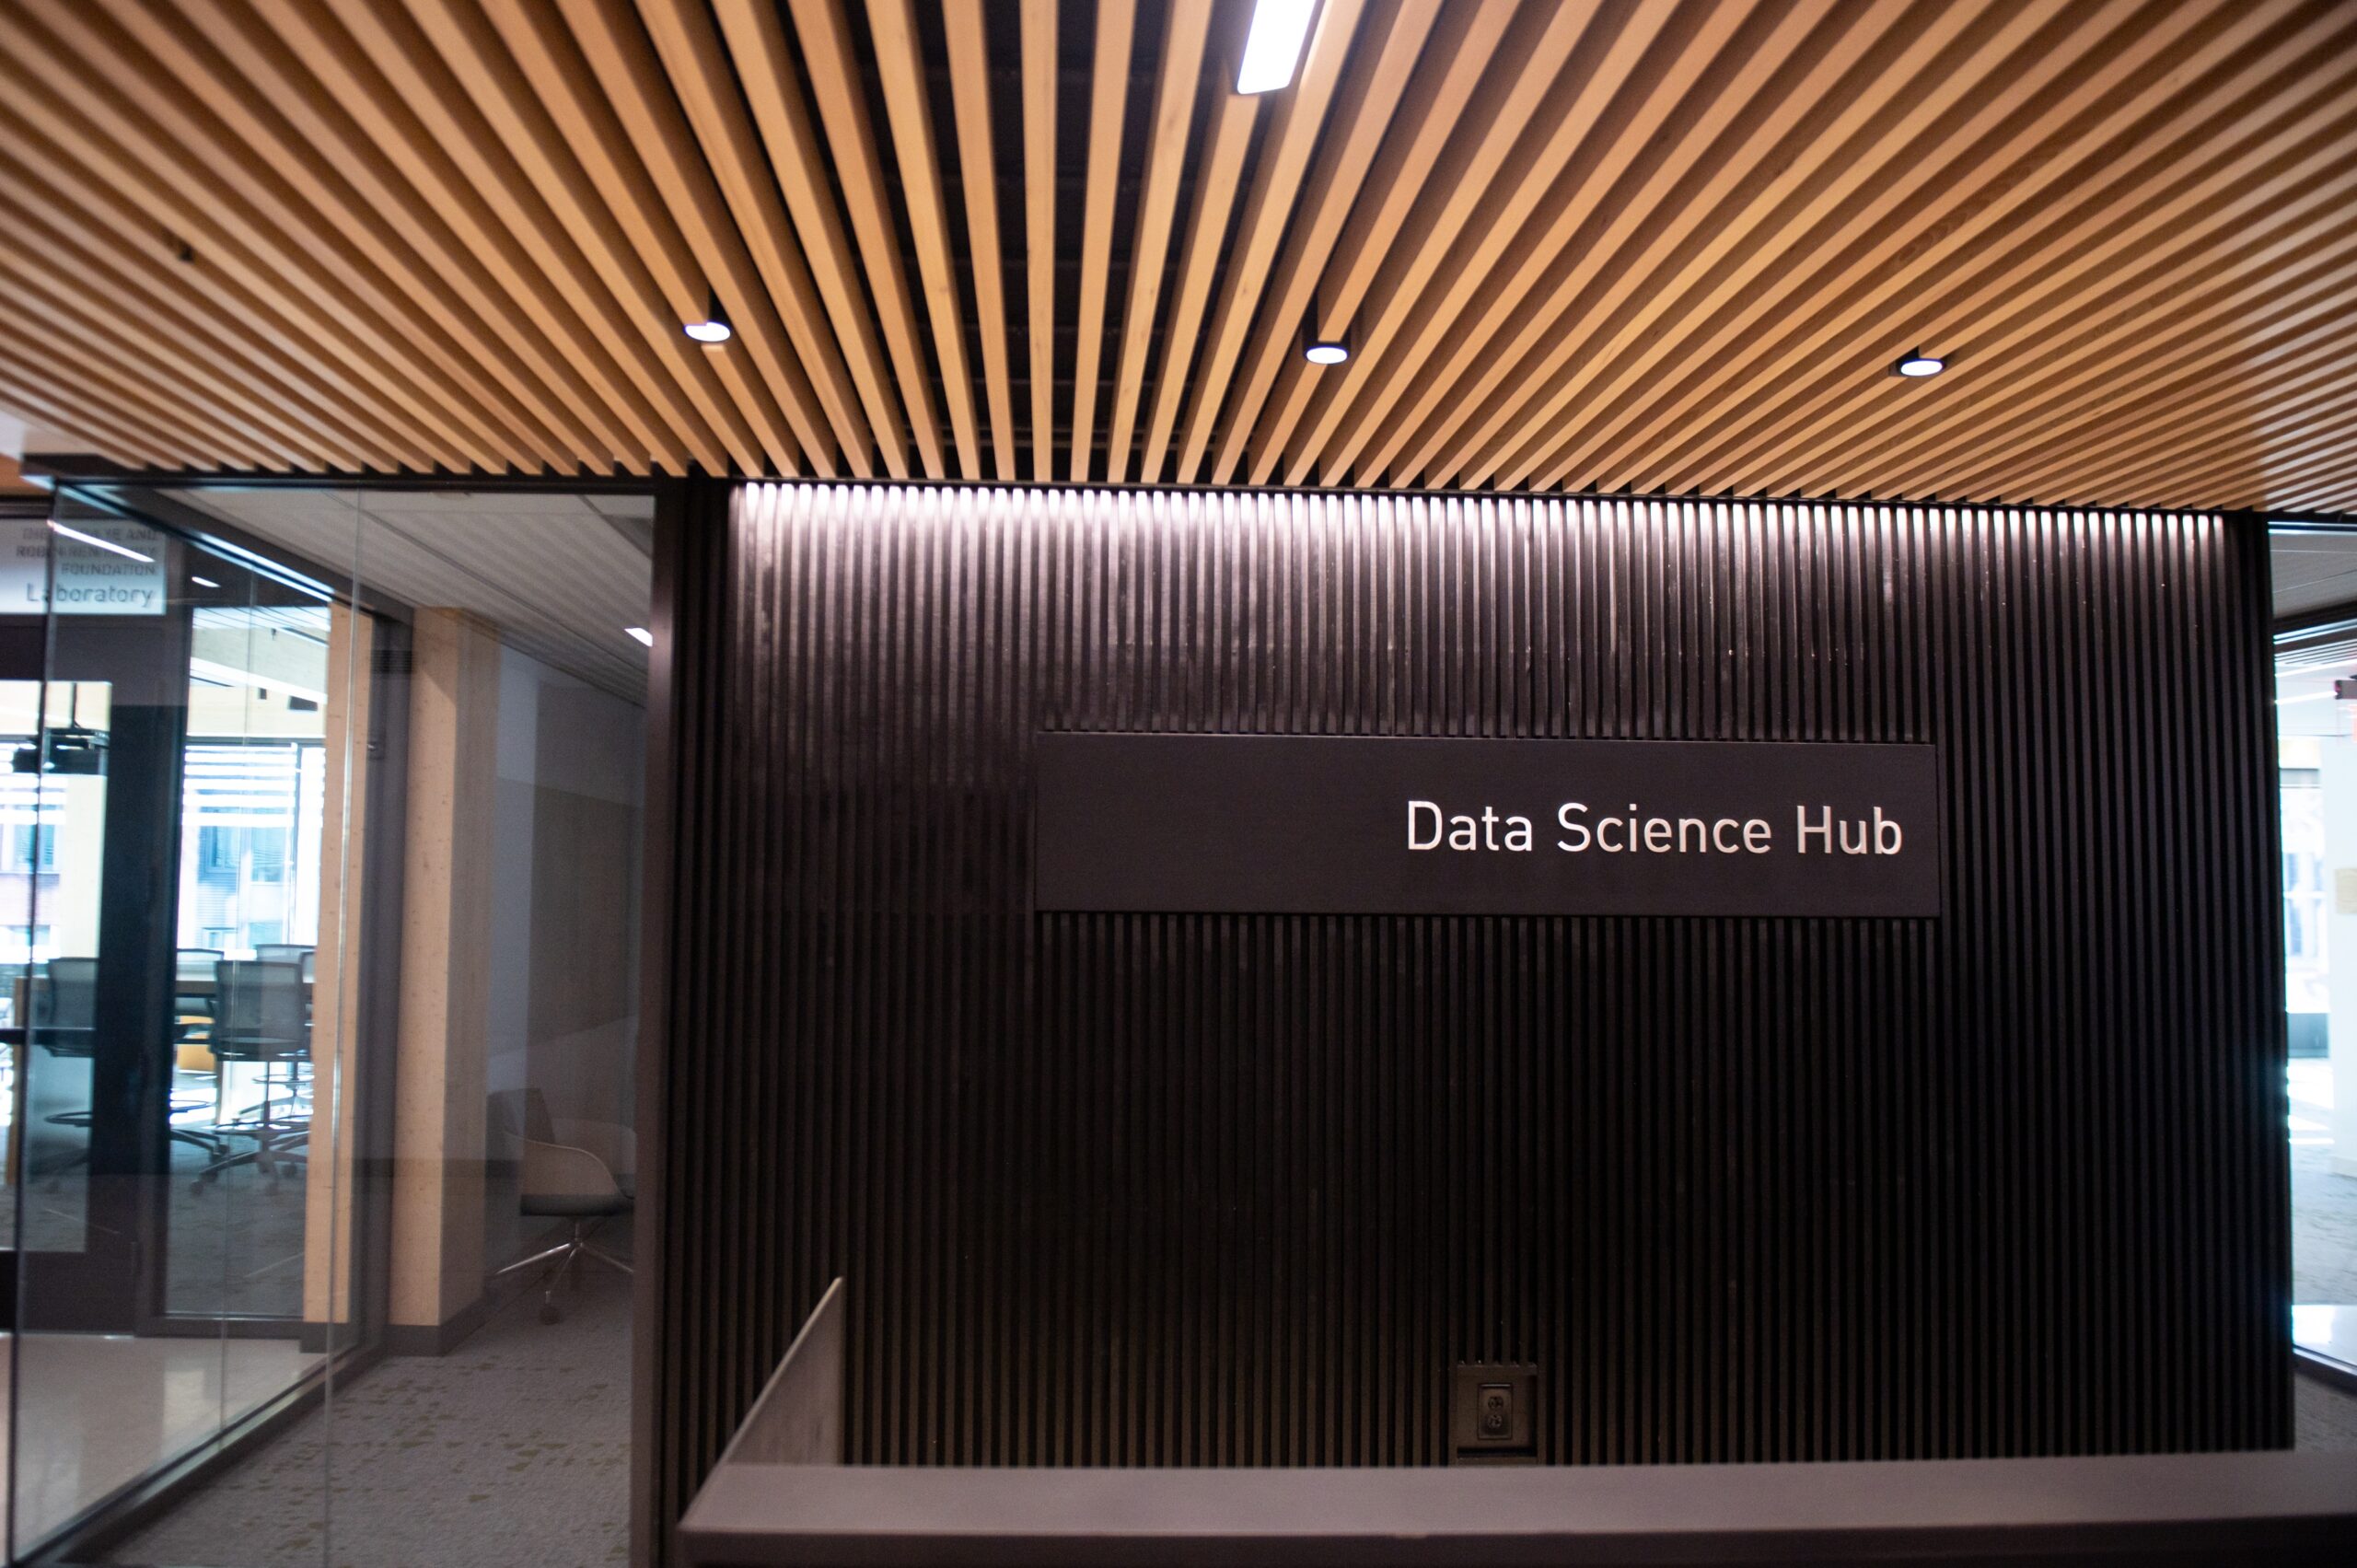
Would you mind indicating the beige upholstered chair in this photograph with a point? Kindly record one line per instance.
(584, 1171)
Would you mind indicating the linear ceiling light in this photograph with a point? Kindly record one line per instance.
(1273, 47)
(57, 527)
(642, 634)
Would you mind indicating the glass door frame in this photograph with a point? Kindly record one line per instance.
(147, 498)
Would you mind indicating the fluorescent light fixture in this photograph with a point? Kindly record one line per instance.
(222, 674)
(642, 634)
(203, 582)
(1326, 351)
(1273, 47)
(56, 526)
(714, 327)
(1918, 364)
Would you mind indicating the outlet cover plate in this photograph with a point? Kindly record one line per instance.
(1493, 1414)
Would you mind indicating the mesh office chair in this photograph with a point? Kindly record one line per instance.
(283, 952)
(262, 1013)
(62, 1004)
(584, 1171)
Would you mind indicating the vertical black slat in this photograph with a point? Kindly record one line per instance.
(1188, 1190)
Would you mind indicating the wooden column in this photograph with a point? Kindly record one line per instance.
(335, 995)
(439, 1112)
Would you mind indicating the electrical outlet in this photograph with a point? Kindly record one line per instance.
(1493, 1414)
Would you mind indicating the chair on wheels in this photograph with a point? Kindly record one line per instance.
(62, 1007)
(63, 1002)
(260, 1014)
(582, 1171)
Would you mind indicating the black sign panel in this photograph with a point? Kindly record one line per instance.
(1311, 825)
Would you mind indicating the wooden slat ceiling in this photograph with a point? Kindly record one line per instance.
(1668, 248)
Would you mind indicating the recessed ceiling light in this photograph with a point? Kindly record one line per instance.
(203, 582)
(714, 327)
(1273, 47)
(1919, 364)
(1325, 351)
(57, 527)
(642, 634)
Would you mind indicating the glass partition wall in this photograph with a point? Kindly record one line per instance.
(2316, 716)
(320, 844)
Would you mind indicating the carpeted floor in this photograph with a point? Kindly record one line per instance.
(511, 1452)
(2326, 1417)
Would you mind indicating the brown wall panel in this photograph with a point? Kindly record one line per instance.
(1188, 1189)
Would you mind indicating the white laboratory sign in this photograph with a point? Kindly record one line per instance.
(103, 568)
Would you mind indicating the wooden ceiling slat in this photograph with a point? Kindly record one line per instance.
(1171, 121)
(2315, 402)
(2148, 224)
(447, 53)
(35, 301)
(978, 168)
(1363, 109)
(464, 178)
(396, 80)
(2058, 428)
(2143, 74)
(575, 147)
(2245, 264)
(123, 89)
(1215, 188)
(689, 48)
(2270, 475)
(1504, 131)
(755, 38)
(1286, 143)
(62, 259)
(893, 27)
(1455, 59)
(1107, 97)
(602, 78)
(2309, 368)
(1642, 95)
(34, 387)
(1574, 245)
(2000, 128)
(1601, 240)
(701, 250)
(111, 249)
(825, 32)
(1039, 81)
(223, 63)
(168, 417)
(1867, 165)
(91, 179)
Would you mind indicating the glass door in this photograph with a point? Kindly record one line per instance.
(171, 845)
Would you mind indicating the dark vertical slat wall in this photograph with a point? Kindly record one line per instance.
(1190, 1190)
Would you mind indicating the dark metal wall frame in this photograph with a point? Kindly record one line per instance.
(823, 689)
(128, 494)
